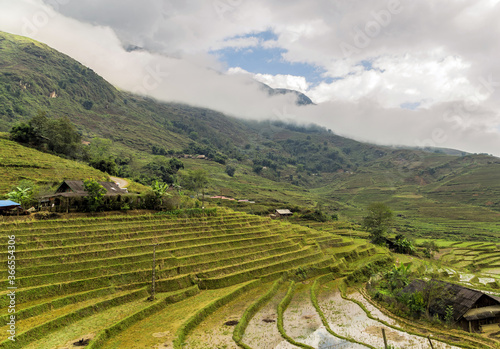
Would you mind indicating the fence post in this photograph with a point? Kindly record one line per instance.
(385, 338)
(429, 338)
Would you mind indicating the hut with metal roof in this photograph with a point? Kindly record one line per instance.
(8, 206)
(473, 310)
(77, 188)
(283, 213)
(70, 191)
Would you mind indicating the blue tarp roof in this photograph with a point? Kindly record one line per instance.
(8, 203)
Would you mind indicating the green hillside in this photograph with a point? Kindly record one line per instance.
(277, 164)
(18, 162)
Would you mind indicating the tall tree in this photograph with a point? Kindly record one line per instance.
(194, 180)
(378, 221)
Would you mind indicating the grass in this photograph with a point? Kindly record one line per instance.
(212, 332)
(88, 326)
(165, 323)
(18, 162)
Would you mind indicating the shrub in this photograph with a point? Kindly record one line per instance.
(95, 197)
(87, 104)
(230, 170)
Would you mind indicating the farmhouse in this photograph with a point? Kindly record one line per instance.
(76, 188)
(281, 213)
(473, 310)
(70, 192)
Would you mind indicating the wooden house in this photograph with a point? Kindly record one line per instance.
(77, 188)
(69, 191)
(473, 310)
(283, 213)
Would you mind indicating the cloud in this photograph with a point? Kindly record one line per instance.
(439, 58)
(291, 82)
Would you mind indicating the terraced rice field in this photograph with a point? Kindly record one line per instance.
(481, 258)
(90, 278)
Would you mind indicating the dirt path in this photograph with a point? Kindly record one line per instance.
(123, 183)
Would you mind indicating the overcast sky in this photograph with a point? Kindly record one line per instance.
(418, 73)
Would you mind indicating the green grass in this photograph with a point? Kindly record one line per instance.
(18, 162)
(165, 323)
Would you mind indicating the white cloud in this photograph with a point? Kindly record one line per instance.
(291, 82)
(236, 43)
(439, 56)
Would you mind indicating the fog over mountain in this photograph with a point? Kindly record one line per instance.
(390, 72)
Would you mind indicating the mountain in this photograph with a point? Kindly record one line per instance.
(301, 99)
(277, 163)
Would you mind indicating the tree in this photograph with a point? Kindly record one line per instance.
(56, 135)
(99, 148)
(87, 104)
(230, 170)
(159, 190)
(435, 295)
(175, 165)
(195, 180)
(95, 195)
(257, 168)
(63, 137)
(22, 133)
(105, 165)
(398, 277)
(378, 221)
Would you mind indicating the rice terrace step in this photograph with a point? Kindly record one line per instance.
(90, 279)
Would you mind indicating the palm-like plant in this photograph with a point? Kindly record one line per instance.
(20, 195)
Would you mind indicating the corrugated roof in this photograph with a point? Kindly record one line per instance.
(78, 188)
(461, 298)
(8, 204)
(286, 211)
(482, 313)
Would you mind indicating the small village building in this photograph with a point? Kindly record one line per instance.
(7, 206)
(283, 213)
(77, 188)
(473, 310)
(70, 191)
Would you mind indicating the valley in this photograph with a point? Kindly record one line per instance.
(213, 269)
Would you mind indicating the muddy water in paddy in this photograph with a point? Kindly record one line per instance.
(303, 324)
(348, 319)
(262, 331)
